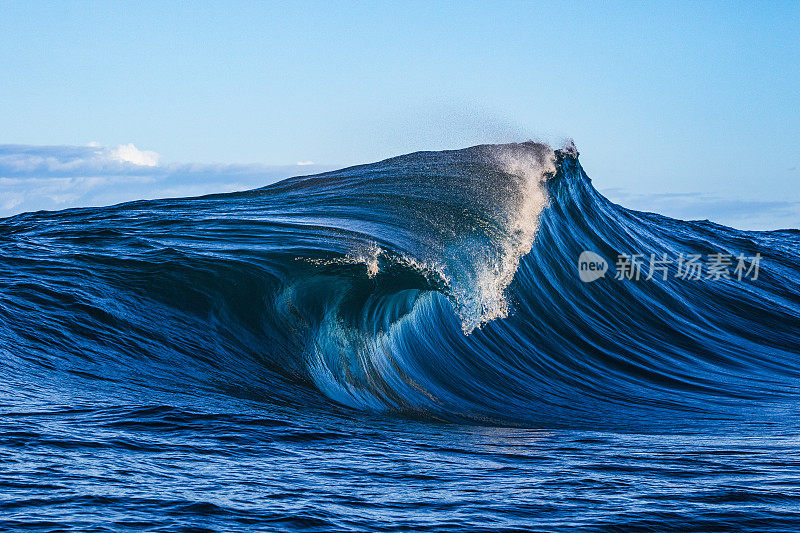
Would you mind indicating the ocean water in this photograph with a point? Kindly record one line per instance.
(410, 345)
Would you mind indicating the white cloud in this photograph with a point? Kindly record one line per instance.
(303, 163)
(73, 160)
(130, 154)
(58, 177)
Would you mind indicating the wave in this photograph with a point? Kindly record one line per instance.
(436, 284)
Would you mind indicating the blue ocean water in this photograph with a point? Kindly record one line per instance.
(401, 346)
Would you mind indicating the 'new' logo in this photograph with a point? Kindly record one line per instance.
(591, 266)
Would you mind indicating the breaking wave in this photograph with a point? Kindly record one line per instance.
(434, 284)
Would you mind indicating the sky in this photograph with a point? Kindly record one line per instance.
(687, 108)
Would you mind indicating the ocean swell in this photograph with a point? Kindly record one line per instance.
(435, 284)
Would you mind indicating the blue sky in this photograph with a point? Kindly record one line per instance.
(694, 102)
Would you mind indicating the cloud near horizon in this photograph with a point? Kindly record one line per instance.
(36, 178)
(734, 212)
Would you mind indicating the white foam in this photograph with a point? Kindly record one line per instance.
(484, 299)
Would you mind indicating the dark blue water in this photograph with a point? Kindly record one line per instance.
(400, 346)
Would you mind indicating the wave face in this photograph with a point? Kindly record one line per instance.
(439, 285)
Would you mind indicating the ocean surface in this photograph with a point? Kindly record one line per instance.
(470, 340)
